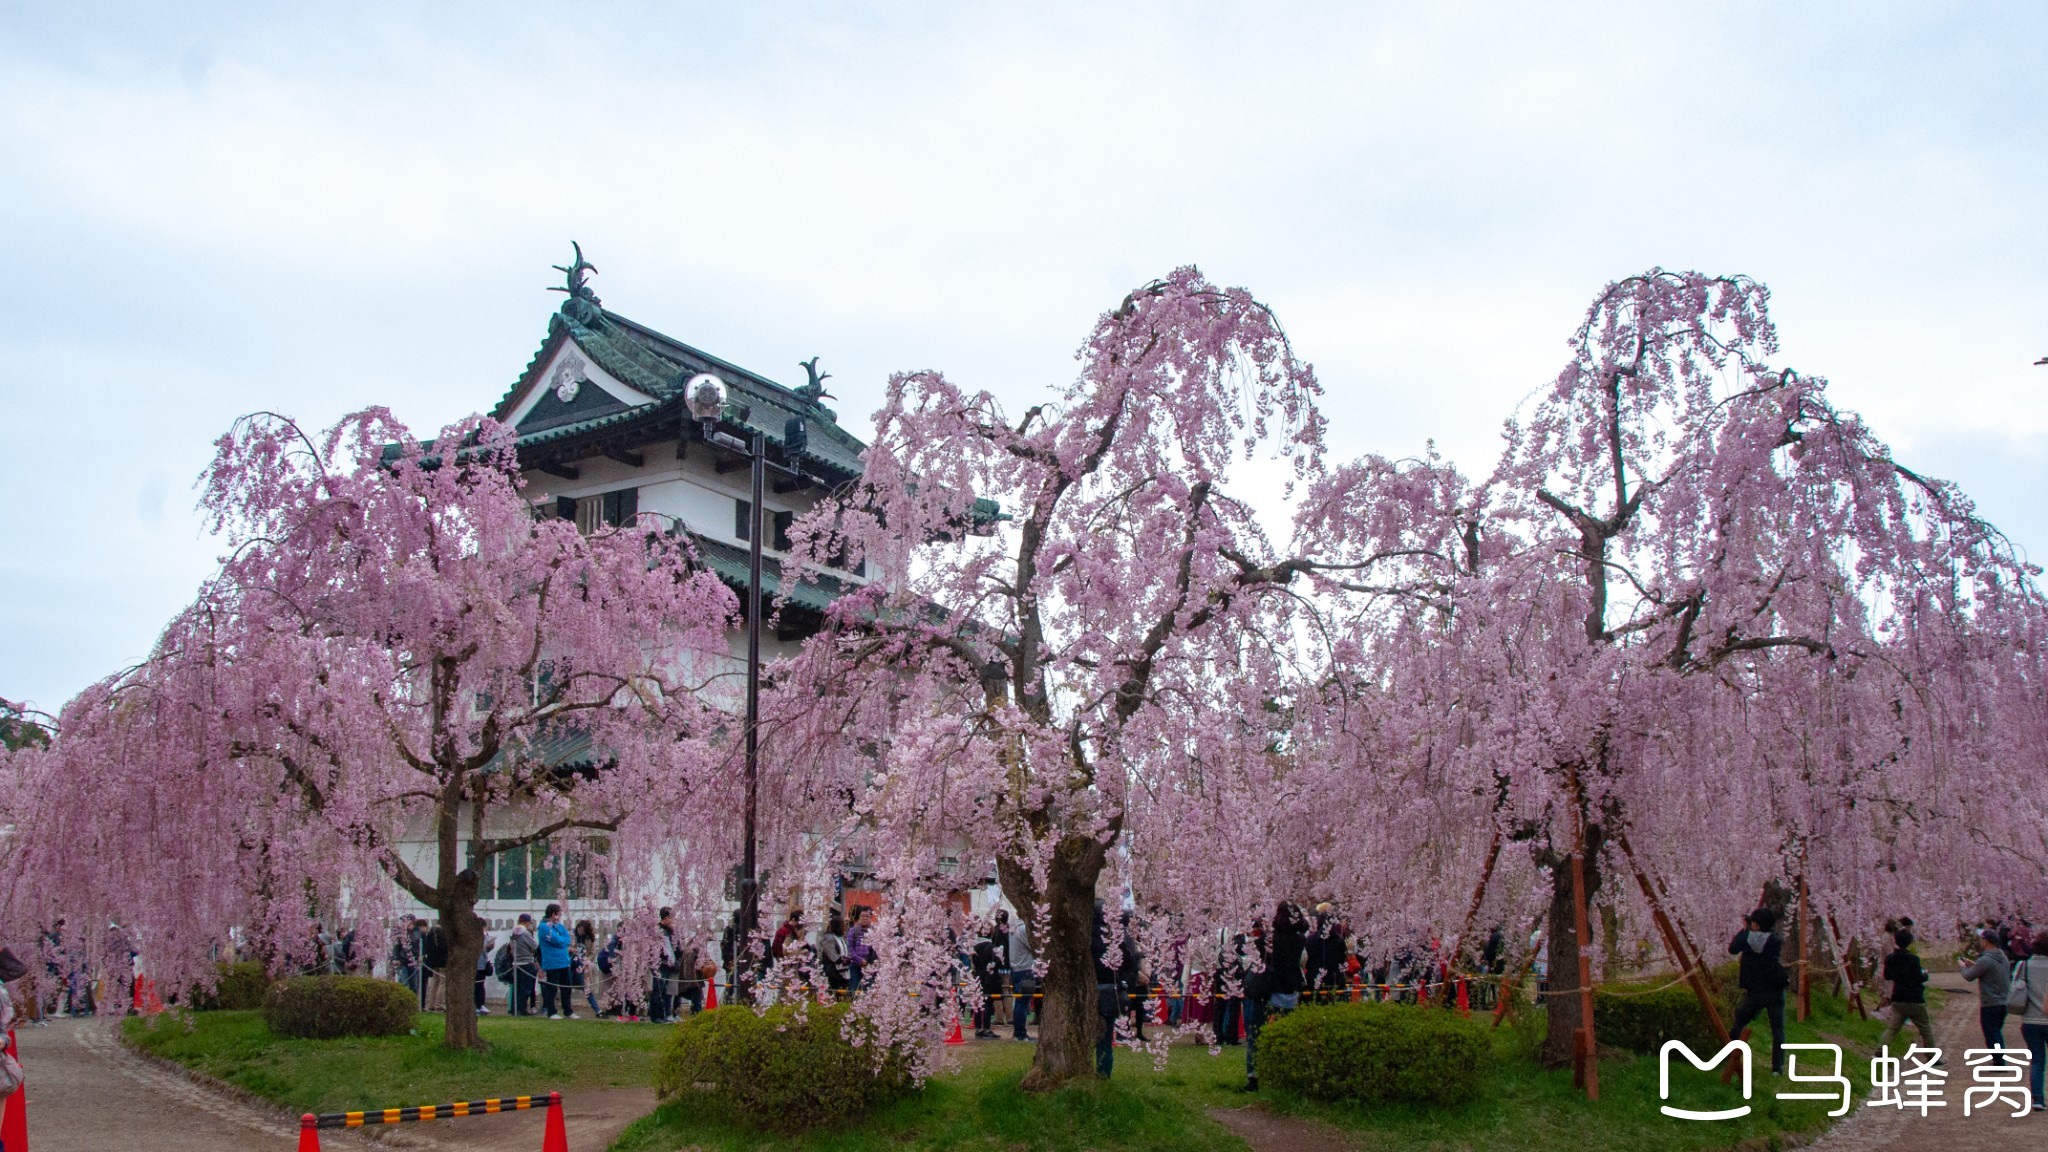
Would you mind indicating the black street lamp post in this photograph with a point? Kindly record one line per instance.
(704, 395)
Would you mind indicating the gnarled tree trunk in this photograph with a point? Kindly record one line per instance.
(1069, 1022)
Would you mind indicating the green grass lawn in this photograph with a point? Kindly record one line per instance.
(1523, 1107)
(527, 1057)
(981, 1107)
(1520, 1108)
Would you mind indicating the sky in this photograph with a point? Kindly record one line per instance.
(213, 209)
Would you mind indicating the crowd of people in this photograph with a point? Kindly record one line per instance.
(548, 968)
(554, 969)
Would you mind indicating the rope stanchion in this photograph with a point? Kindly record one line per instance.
(554, 1137)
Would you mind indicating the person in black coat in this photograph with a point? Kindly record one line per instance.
(1227, 993)
(1761, 976)
(1326, 955)
(988, 978)
(434, 954)
(1907, 978)
(1130, 973)
(1109, 998)
(1277, 989)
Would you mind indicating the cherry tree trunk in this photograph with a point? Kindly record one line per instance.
(1565, 1005)
(465, 946)
(1069, 1023)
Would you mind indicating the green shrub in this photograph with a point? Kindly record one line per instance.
(1641, 1017)
(780, 1071)
(330, 1007)
(242, 986)
(1369, 1052)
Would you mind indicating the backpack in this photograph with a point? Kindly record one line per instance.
(604, 958)
(501, 963)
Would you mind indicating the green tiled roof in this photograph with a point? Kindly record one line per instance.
(559, 746)
(659, 365)
(730, 562)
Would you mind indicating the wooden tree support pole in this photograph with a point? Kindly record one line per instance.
(1500, 1007)
(1588, 1076)
(1587, 1045)
(1805, 950)
(1653, 888)
(1848, 973)
(1472, 908)
(1688, 963)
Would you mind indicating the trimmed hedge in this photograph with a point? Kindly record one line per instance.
(1641, 1017)
(242, 986)
(1371, 1052)
(779, 1071)
(330, 1007)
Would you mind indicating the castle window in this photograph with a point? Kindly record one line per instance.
(607, 510)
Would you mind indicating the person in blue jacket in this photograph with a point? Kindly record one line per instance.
(557, 991)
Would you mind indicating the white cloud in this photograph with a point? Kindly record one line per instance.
(245, 208)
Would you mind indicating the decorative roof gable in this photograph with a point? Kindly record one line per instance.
(654, 365)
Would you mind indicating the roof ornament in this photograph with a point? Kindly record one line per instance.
(570, 376)
(814, 389)
(578, 274)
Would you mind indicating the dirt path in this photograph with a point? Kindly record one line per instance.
(88, 1093)
(1943, 1129)
(1270, 1132)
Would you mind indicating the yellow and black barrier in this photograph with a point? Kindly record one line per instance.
(554, 1137)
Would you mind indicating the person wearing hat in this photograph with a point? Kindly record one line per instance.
(1993, 975)
(1761, 976)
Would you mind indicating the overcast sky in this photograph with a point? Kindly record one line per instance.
(213, 209)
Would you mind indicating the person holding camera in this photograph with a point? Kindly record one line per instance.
(1761, 976)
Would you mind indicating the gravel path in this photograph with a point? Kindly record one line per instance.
(89, 1093)
(1942, 1129)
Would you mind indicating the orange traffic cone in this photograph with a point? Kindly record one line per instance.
(556, 1138)
(710, 995)
(14, 1113)
(954, 1037)
(1160, 1016)
(309, 1133)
